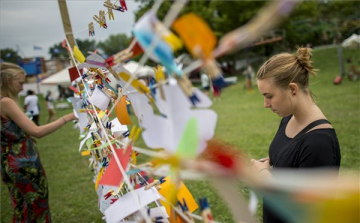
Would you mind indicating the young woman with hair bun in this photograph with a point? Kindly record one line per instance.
(21, 168)
(305, 138)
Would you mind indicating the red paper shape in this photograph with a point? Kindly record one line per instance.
(74, 74)
(112, 175)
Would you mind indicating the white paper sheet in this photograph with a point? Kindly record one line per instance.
(100, 99)
(126, 205)
(166, 132)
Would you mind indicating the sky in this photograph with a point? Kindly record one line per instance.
(38, 23)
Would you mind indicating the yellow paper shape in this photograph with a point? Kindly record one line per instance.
(85, 153)
(101, 114)
(195, 33)
(121, 112)
(135, 83)
(101, 172)
(169, 37)
(78, 55)
(183, 193)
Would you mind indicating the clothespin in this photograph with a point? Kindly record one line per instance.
(110, 12)
(91, 29)
(134, 134)
(108, 194)
(155, 183)
(186, 210)
(100, 86)
(121, 56)
(186, 86)
(113, 200)
(123, 4)
(205, 210)
(110, 5)
(159, 76)
(97, 19)
(105, 163)
(108, 125)
(102, 18)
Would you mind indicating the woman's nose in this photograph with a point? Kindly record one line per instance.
(266, 104)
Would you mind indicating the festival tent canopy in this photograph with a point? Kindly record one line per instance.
(144, 71)
(62, 77)
(352, 41)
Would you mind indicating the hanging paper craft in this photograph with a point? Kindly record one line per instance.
(121, 112)
(168, 36)
(112, 175)
(128, 204)
(189, 142)
(165, 130)
(74, 74)
(196, 34)
(145, 34)
(78, 54)
(182, 194)
(94, 60)
(100, 99)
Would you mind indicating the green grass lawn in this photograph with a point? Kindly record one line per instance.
(242, 122)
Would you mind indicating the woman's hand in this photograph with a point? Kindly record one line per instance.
(261, 166)
(70, 117)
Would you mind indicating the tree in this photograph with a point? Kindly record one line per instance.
(57, 51)
(10, 55)
(114, 43)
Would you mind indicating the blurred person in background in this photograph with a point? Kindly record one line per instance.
(31, 106)
(50, 107)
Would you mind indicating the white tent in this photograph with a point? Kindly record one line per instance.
(144, 71)
(352, 41)
(62, 77)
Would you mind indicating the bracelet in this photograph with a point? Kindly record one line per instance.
(266, 168)
(64, 120)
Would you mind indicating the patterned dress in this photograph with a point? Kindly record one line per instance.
(23, 174)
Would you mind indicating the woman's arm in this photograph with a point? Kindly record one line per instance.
(10, 110)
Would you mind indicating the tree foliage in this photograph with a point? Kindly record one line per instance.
(114, 43)
(310, 21)
(10, 55)
(57, 51)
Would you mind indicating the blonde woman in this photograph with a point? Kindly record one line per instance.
(305, 138)
(21, 169)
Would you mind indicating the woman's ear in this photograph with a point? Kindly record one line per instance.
(293, 88)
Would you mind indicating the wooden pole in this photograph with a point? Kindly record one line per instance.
(66, 22)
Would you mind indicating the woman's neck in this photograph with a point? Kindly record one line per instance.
(306, 110)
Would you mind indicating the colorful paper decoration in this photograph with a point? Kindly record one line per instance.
(78, 54)
(112, 175)
(196, 34)
(182, 194)
(122, 113)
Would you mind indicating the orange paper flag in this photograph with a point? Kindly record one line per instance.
(121, 112)
(182, 193)
(196, 34)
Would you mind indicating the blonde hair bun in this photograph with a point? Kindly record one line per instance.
(303, 57)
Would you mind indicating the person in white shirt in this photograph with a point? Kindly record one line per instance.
(31, 106)
(205, 84)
